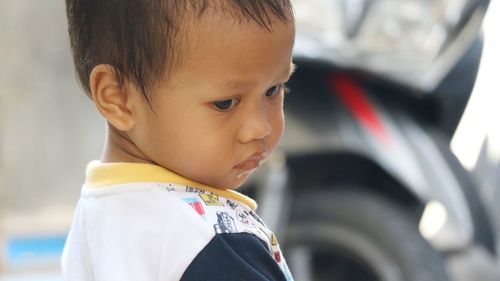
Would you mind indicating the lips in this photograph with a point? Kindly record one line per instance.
(252, 162)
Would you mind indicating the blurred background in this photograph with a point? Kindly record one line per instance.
(49, 131)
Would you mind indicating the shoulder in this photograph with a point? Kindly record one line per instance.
(142, 209)
(234, 256)
(135, 229)
(138, 206)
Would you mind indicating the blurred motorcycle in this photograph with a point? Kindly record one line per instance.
(364, 185)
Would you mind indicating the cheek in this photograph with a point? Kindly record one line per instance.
(278, 122)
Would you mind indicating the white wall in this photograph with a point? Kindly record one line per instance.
(48, 127)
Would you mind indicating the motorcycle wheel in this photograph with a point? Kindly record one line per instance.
(357, 235)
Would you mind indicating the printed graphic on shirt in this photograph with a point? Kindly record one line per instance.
(254, 215)
(265, 235)
(277, 256)
(244, 217)
(193, 189)
(231, 204)
(167, 187)
(211, 199)
(231, 216)
(225, 223)
(197, 205)
(274, 241)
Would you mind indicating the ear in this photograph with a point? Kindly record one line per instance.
(110, 98)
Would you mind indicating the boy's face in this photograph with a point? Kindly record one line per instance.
(220, 114)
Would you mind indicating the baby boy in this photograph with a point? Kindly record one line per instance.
(192, 92)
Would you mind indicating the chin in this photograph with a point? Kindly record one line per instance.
(241, 179)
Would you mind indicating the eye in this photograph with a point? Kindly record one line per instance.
(226, 105)
(275, 90)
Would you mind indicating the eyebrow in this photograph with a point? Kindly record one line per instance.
(234, 84)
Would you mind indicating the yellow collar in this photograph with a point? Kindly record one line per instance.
(104, 174)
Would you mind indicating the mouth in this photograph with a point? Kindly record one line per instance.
(252, 162)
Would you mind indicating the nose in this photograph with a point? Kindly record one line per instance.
(255, 125)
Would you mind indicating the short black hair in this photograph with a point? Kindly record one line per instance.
(137, 37)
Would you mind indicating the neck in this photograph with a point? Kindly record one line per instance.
(119, 148)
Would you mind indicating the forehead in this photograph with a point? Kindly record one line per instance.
(195, 24)
(212, 27)
(217, 40)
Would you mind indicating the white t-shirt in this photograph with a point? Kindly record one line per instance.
(142, 222)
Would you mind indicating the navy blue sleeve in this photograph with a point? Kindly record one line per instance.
(234, 257)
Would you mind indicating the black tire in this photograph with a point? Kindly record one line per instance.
(355, 235)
